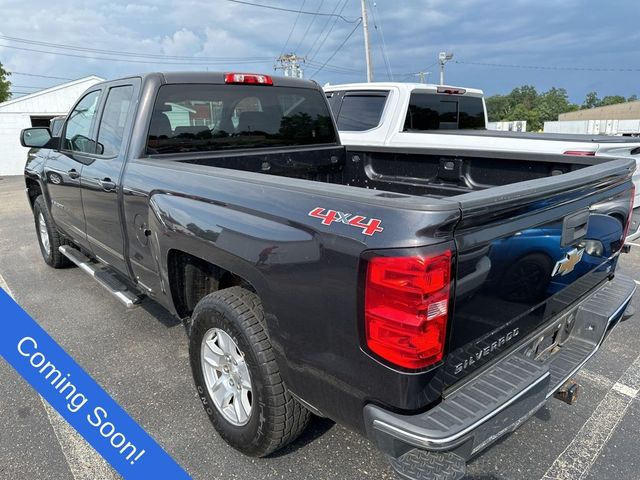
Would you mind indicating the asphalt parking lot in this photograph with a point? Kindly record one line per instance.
(140, 358)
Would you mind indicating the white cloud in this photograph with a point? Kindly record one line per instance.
(182, 42)
(514, 31)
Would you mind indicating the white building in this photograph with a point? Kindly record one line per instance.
(34, 110)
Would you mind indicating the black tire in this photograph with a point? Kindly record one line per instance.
(51, 255)
(527, 279)
(276, 417)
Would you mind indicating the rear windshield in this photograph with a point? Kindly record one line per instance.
(360, 111)
(431, 111)
(195, 118)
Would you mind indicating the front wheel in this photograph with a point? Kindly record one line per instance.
(237, 377)
(49, 239)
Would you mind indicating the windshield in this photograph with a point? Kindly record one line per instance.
(193, 117)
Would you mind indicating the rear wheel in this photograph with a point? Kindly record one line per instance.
(49, 239)
(237, 377)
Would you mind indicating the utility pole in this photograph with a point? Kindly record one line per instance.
(443, 57)
(423, 76)
(367, 50)
(290, 65)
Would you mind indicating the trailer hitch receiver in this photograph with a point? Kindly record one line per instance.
(568, 393)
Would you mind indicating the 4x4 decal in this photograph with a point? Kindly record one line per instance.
(368, 226)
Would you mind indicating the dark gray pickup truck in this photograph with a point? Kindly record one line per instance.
(431, 304)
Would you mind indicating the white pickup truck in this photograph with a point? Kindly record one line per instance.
(451, 122)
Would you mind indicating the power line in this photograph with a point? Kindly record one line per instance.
(382, 44)
(550, 67)
(303, 12)
(334, 67)
(293, 28)
(338, 70)
(121, 53)
(40, 76)
(337, 49)
(335, 20)
(326, 23)
(27, 86)
(406, 75)
(200, 63)
(313, 19)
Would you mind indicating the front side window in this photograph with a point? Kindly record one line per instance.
(194, 118)
(77, 135)
(431, 111)
(114, 117)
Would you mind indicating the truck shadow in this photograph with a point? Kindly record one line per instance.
(159, 313)
(317, 427)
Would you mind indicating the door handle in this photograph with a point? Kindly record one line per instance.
(107, 185)
(73, 173)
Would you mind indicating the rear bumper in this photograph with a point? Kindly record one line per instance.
(499, 399)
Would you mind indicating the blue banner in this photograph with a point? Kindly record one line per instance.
(79, 399)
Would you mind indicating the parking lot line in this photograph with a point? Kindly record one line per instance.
(5, 287)
(83, 461)
(587, 376)
(577, 459)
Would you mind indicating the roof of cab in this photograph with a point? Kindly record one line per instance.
(214, 78)
(218, 78)
(400, 85)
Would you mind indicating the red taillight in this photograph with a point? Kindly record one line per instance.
(407, 308)
(580, 153)
(629, 218)
(251, 78)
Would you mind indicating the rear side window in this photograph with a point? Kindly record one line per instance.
(193, 118)
(431, 111)
(113, 120)
(360, 112)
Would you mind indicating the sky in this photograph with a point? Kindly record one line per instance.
(581, 46)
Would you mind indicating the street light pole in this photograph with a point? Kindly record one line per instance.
(367, 50)
(443, 57)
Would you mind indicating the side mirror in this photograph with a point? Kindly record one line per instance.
(36, 137)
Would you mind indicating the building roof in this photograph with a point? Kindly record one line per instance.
(619, 111)
(47, 91)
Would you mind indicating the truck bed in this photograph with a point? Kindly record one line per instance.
(433, 173)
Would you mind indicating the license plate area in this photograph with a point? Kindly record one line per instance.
(550, 340)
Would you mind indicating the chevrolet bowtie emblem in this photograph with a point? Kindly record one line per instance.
(568, 263)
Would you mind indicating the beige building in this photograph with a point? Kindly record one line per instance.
(620, 111)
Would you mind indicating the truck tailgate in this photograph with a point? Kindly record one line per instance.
(528, 251)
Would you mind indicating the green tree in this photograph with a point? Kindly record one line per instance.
(526, 95)
(591, 100)
(498, 107)
(633, 98)
(612, 100)
(553, 102)
(5, 84)
(525, 103)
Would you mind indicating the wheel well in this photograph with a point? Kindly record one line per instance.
(191, 278)
(33, 190)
